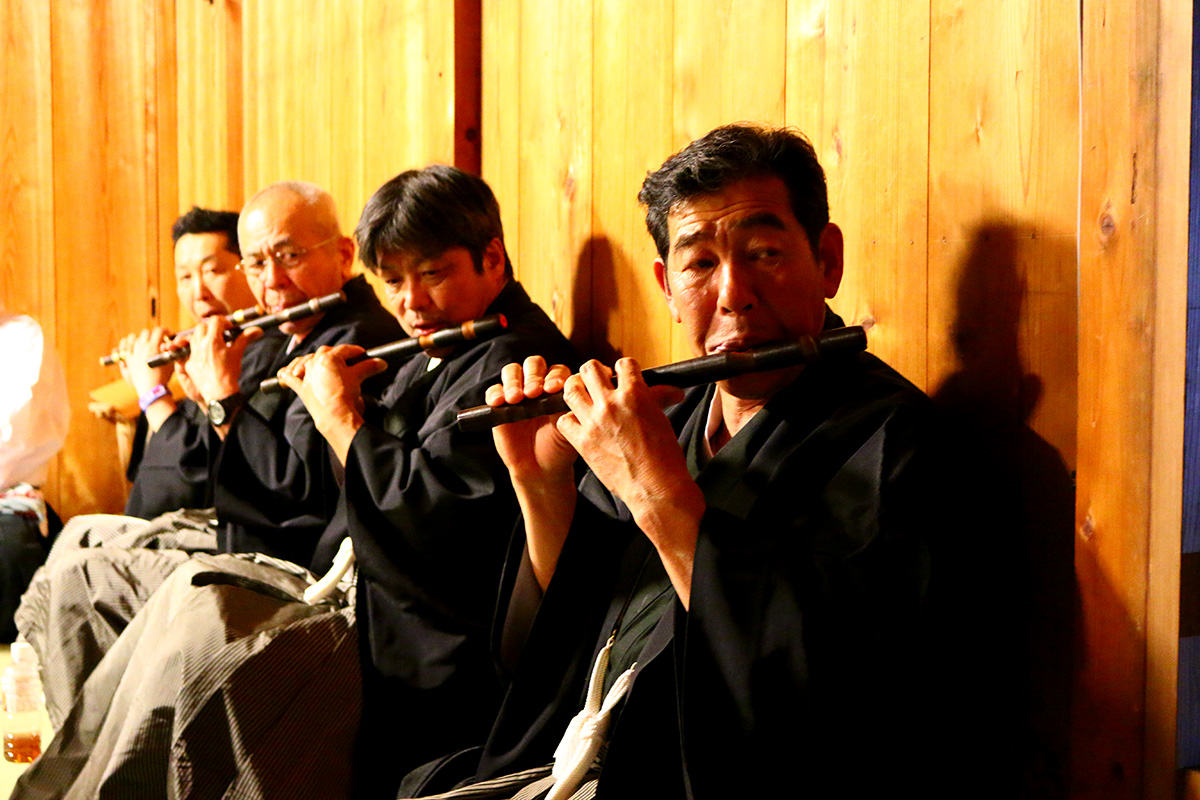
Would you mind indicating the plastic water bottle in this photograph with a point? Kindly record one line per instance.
(22, 706)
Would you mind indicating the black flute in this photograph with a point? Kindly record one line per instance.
(482, 328)
(693, 372)
(236, 318)
(290, 314)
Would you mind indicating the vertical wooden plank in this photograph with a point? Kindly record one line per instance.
(27, 263)
(408, 88)
(349, 151)
(229, 52)
(208, 61)
(468, 65)
(1003, 178)
(730, 65)
(555, 160)
(858, 86)
(162, 157)
(27, 257)
(1003, 145)
(1171, 192)
(500, 107)
(1118, 403)
(632, 85)
(100, 92)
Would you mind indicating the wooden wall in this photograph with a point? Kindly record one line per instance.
(82, 224)
(120, 115)
(1006, 172)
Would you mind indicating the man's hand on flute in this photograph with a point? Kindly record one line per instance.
(215, 366)
(630, 446)
(540, 461)
(331, 390)
(135, 350)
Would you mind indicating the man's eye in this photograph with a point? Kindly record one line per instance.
(183, 277)
(289, 258)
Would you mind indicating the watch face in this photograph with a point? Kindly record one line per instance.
(216, 413)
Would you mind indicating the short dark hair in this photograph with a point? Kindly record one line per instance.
(206, 220)
(428, 211)
(729, 154)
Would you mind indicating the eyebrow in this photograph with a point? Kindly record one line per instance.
(201, 263)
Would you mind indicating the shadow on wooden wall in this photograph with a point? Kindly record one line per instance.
(1011, 569)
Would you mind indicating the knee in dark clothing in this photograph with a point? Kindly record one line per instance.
(22, 550)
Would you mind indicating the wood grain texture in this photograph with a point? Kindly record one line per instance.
(555, 160)
(500, 107)
(27, 267)
(102, 57)
(1117, 316)
(208, 58)
(729, 61)
(1173, 127)
(1003, 122)
(858, 76)
(633, 134)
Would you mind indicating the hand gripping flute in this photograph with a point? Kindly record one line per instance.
(317, 305)
(835, 343)
(236, 318)
(482, 328)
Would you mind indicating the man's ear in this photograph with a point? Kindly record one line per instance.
(660, 274)
(493, 258)
(345, 249)
(830, 254)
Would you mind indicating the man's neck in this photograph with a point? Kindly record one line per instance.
(735, 413)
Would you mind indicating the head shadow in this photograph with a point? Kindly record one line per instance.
(1011, 564)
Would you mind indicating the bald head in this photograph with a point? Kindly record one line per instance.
(293, 248)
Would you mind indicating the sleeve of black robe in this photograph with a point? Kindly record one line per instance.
(173, 467)
(274, 477)
(430, 511)
(801, 665)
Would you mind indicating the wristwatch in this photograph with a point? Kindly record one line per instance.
(219, 411)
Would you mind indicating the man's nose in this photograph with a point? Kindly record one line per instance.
(202, 287)
(273, 274)
(413, 293)
(736, 292)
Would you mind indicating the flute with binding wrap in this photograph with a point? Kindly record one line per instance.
(236, 318)
(836, 343)
(482, 328)
(317, 305)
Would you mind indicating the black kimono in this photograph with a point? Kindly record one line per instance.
(170, 469)
(428, 507)
(274, 489)
(796, 668)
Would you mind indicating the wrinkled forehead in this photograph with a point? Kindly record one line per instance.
(745, 205)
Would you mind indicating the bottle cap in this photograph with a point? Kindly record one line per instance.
(23, 653)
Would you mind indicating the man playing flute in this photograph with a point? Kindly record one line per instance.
(751, 566)
(428, 507)
(169, 466)
(270, 474)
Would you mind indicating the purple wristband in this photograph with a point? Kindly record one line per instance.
(153, 396)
